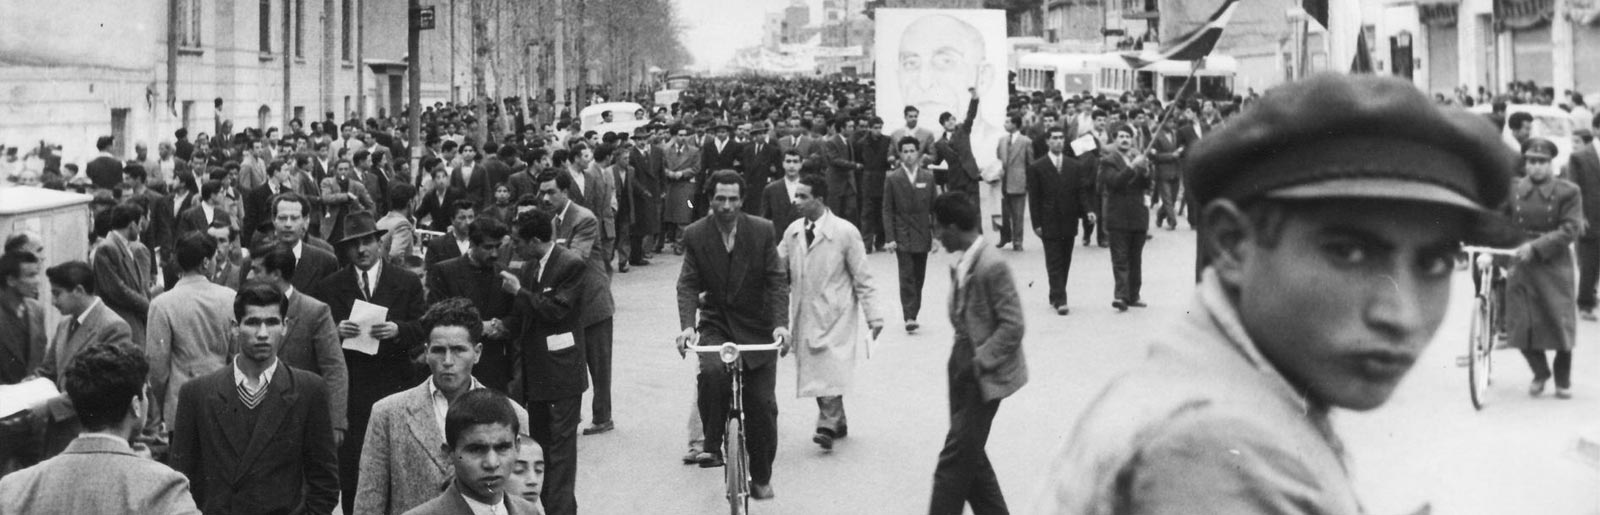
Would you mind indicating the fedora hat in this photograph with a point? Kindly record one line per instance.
(358, 225)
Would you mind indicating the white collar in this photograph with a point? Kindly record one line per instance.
(107, 436)
(85, 314)
(266, 375)
(479, 508)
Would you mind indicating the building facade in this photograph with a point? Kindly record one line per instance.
(1490, 43)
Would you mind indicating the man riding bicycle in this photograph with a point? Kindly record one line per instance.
(732, 259)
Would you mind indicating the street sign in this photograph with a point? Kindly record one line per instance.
(422, 18)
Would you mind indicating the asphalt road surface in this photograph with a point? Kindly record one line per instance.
(1427, 445)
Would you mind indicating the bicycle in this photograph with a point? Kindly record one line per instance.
(735, 455)
(1487, 308)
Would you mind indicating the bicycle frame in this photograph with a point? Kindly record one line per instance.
(1485, 321)
(734, 451)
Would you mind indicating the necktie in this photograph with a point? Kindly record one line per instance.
(72, 327)
(811, 235)
(366, 286)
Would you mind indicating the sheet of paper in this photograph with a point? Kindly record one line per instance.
(366, 315)
(557, 342)
(1084, 144)
(25, 395)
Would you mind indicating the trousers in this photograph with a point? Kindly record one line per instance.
(1588, 271)
(913, 271)
(1012, 209)
(1167, 194)
(597, 350)
(1127, 263)
(964, 475)
(872, 221)
(830, 415)
(1057, 263)
(760, 408)
(1541, 366)
(554, 425)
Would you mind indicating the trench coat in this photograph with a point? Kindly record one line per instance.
(680, 192)
(830, 290)
(1541, 294)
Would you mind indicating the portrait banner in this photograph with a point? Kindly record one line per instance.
(927, 58)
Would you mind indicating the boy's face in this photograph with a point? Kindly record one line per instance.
(528, 471)
(483, 456)
(1373, 276)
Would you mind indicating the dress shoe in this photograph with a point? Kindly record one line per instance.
(622, 268)
(710, 460)
(603, 427)
(693, 457)
(1148, 236)
(760, 492)
(841, 433)
(1017, 246)
(638, 262)
(1588, 314)
(1119, 304)
(912, 325)
(823, 439)
(1104, 244)
(1563, 393)
(1002, 244)
(1138, 304)
(1085, 243)
(1536, 388)
(1061, 310)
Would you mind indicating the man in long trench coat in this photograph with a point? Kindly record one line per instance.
(829, 289)
(1541, 292)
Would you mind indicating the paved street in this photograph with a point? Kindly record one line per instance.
(1426, 445)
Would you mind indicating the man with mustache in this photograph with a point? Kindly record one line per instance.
(1332, 212)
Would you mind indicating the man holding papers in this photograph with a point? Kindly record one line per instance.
(829, 288)
(377, 307)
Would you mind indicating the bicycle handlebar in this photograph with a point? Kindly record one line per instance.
(1488, 250)
(740, 348)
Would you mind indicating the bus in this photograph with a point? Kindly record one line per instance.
(1213, 78)
(1067, 73)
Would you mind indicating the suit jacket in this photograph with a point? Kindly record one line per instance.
(476, 187)
(401, 465)
(1123, 186)
(649, 179)
(746, 289)
(550, 303)
(194, 219)
(525, 182)
(579, 230)
(123, 273)
(775, 204)
(908, 210)
(955, 151)
(439, 213)
(100, 325)
(763, 162)
(377, 185)
(836, 152)
(392, 369)
(257, 211)
(314, 265)
(22, 343)
(873, 150)
(311, 343)
(97, 475)
(284, 463)
(599, 194)
(158, 234)
(451, 503)
(987, 315)
(1583, 169)
(189, 336)
(1166, 159)
(1058, 197)
(1014, 159)
(712, 160)
(441, 248)
(335, 205)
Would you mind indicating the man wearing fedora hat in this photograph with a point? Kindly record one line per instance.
(368, 278)
(1332, 211)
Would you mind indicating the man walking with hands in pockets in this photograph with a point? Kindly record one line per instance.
(829, 287)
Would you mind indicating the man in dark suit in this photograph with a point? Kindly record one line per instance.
(22, 343)
(1167, 172)
(762, 159)
(257, 205)
(124, 269)
(908, 224)
(733, 278)
(839, 155)
(310, 341)
(470, 178)
(390, 367)
(777, 198)
(255, 437)
(576, 227)
(1583, 169)
(648, 161)
(550, 377)
(1123, 178)
(157, 235)
(314, 258)
(476, 277)
(986, 363)
(212, 207)
(1059, 191)
(105, 169)
(873, 147)
(99, 472)
(438, 205)
(455, 241)
(954, 150)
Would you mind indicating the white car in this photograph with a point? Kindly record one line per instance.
(624, 117)
(1549, 122)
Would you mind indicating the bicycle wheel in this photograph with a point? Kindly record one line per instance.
(735, 462)
(1480, 345)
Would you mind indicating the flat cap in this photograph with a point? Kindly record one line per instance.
(1353, 136)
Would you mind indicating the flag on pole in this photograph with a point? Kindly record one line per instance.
(1191, 46)
(1344, 22)
(1363, 59)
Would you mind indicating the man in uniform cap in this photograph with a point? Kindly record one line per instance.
(1333, 209)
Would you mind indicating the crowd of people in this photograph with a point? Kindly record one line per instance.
(296, 320)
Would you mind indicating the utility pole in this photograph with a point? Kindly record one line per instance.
(414, 85)
(452, 83)
(561, 57)
(480, 50)
(288, 63)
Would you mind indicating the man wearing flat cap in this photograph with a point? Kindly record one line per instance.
(1332, 211)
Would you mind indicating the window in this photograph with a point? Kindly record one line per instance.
(347, 16)
(264, 30)
(299, 29)
(188, 21)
